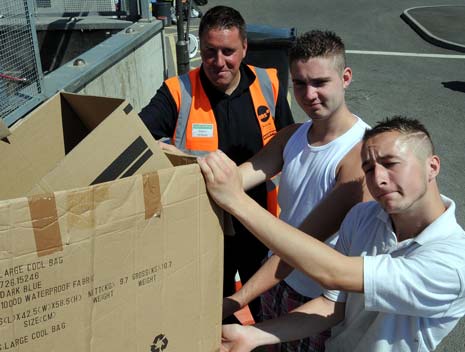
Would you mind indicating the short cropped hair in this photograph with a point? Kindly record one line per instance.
(406, 126)
(318, 43)
(222, 17)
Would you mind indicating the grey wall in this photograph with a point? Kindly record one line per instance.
(129, 65)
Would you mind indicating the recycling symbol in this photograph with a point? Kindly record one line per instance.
(159, 343)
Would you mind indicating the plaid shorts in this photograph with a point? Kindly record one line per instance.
(280, 300)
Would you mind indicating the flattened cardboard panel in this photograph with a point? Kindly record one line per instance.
(121, 282)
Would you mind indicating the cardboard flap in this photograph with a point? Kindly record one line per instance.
(93, 110)
(54, 149)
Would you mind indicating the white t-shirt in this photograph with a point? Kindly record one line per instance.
(308, 175)
(414, 289)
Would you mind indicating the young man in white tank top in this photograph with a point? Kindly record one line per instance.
(321, 175)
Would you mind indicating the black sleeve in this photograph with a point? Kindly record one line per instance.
(283, 114)
(160, 115)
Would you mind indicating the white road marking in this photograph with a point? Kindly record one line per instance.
(393, 53)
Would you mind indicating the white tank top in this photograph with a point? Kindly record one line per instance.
(308, 175)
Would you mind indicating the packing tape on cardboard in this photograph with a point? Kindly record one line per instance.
(44, 219)
(152, 195)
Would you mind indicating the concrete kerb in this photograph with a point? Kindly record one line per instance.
(426, 34)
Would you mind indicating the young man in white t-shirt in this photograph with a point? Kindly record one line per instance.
(396, 280)
(321, 175)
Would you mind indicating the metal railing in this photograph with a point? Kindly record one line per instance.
(21, 77)
(129, 9)
(74, 7)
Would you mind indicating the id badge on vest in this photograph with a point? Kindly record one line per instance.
(202, 130)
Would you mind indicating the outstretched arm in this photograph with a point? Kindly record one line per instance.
(268, 161)
(325, 265)
(322, 222)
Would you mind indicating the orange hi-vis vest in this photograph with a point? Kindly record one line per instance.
(196, 130)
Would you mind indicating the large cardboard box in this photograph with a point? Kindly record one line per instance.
(133, 264)
(129, 265)
(76, 140)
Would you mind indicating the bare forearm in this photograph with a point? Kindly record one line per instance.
(326, 218)
(270, 273)
(251, 177)
(309, 319)
(267, 162)
(325, 265)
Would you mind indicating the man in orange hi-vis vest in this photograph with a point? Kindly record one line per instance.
(224, 105)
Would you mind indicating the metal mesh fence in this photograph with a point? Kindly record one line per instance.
(20, 78)
(75, 6)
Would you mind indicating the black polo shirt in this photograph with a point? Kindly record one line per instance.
(239, 134)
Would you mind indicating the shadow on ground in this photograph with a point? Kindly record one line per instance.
(458, 86)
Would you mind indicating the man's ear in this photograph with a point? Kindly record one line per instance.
(434, 165)
(346, 77)
(244, 46)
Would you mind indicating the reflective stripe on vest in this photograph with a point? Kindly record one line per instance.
(265, 109)
(196, 130)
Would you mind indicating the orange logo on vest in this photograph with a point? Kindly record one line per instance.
(263, 113)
